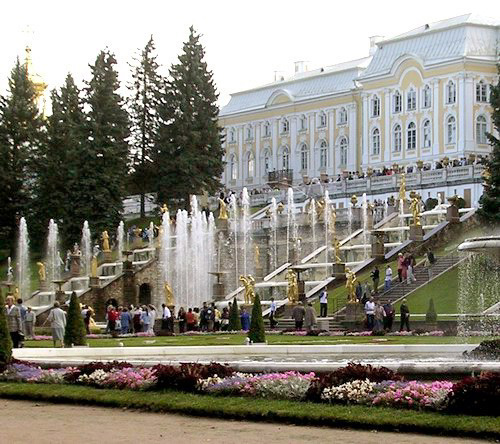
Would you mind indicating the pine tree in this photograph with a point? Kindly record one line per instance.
(189, 152)
(234, 317)
(5, 340)
(20, 136)
(75, 328)
(431, 315)
(489, 210)
(144, 121)
(107, 140)
(257, 332)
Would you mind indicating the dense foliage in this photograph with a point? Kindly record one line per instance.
(5, 340)
(257, 332)
(75, 332)
(234, 317)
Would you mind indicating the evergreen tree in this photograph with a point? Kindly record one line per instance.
(5, 340)
(489, 210)
(188, 151)
(143, 105)
(257, 332)
(20, 136)
(107, 141)
(234, 317)
(431, 315)
(75, 328)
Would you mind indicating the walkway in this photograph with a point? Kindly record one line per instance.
(41, 423)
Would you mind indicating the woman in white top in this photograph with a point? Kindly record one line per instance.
(388, 278)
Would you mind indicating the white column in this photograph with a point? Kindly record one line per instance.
(469, 112)
(436, 98)
(241, 131)
(274, 144)
(461, 112)
(293, 148)
(257, 175)
(331, 144)
(312, 160)
(352, 153)
(364, 142)
(387, 126)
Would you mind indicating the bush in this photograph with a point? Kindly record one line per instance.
(234, 317)
(430, 204)
(75, 328)
(5, 340)
(256, 332)
(476, 395)
(485, 350)
(351, 372)
(431, 315)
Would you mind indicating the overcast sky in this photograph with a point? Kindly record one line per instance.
(245, 41)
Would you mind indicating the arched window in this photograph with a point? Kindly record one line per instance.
(375, 106)
(451, 92)
(267, 129)
(481, 130)
(376, 142)
(322, 120)
(396, 102)
(285, 158)
(250, 161)
(343, 151)
(451, 130)
(396, 138)
(249, 132)
(232, 135)
(233, 168)
(342, 116)
(411, 100)
(323, 154)
(481, 92)
(304, 157)
(426, 134)
(266, 164)
(427, 97)
(411, 136)
(285, 125)
(303, 123)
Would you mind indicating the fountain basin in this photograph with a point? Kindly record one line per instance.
(487, 244)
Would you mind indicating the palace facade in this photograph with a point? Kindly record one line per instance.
(423, 95)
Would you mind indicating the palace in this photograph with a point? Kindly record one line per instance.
(418, 98)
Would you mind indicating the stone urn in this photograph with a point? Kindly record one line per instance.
(420, 164)
(446, 161)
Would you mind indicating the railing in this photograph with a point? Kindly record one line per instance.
(280, 176)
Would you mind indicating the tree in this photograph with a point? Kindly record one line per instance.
(108, 131)
(489, 210)
(75, 328)
(144, 122)
(188, 152)
(5, 340)
(234, 317)
(431, 315)
(256, 332)
(20, 137)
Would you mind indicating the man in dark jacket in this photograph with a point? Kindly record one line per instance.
(298, 314)
(405, 316)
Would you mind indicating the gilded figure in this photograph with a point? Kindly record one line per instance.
(249, 286)
(293, 286)
(350, 284)
(42, 274)
(105, 241)
(222, 210)
(169, 295)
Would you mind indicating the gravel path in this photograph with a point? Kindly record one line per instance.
(41, 423)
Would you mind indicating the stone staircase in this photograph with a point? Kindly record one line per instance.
(289, 324)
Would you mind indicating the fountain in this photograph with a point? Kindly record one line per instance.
(10, 274)
(120, 240)
(53, 260)
(401, 220)
(151, 234)
(291, 226)
(364, 206)
(314, 220)
(86, 249)
(233, 224)
(246, 229)
(326, 220)
(274, 233)
(23, 272)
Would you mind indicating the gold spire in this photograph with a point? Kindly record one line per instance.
(38, 82)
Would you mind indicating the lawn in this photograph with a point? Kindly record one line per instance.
(239, 339)
(353, 416)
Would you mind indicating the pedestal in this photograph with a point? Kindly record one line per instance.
(61, 297)
(259, 273)
(378, 249)
(452, 214)
(219, 291)
(354, 312)
(357, 216)
(222, 224)
(338, 271)
(44, 286)
(94, 282)
(302, 291)
(108, 256)
(416, 233)
(75, 265)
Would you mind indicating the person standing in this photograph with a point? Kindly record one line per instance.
(323, 303)
(210, 317)
(137, 319)
(375, 278)
(112, 315)
(224, 319)
(22, 310)
(370, 313)
(145, 319)
(245, 320)
(14, 322)
(309, 317)
(359, 291)
(379, 317)
(165, 317)
(389, 315)
(298, 314)
(87, 320)
(125, 321)
(203, 317)
(410, 272)
(388, 278)
(57, 319)
(405, 316)
(29, 323)
(190, 320)
(401, 261)
(154, 315)
(181, 316)
(272, 314)
(217, 316)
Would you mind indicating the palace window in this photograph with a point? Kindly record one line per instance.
(323, 154)
(375, 106)
(232, 135)
(285, 158)
(451, 93)
(411, 136)
(267, 162)
(342, 116)
(481, 130)
(249, 132)
(376, 142)
(233, 168)
(396, 102)
(481, 92)
(411, 100)
(285, 126)
(303, 123)
(343, 151)
(304, 157)
(451, 130)
(322, 120)
(427, 97)
(267, 129)
(426, 134)
(396, 137)
(250, 164)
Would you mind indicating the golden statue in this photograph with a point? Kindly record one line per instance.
(336, 248)
(16, 293)
(350, 284)
(105, 241)
(333, 220)
(169, 295)
(222, 210)
(93, 267)
(164, 209)
(415, 209)
(402, 188)
(249, 285)
(42, 274)
(320, 207)
(256, 255)
(293, 286)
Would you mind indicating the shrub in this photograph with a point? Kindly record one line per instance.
(430, 204)
(257, 332)
(5, 340)
(431, 315)
(485, 350)
(234, 317)
(75, 328)
(476, 395)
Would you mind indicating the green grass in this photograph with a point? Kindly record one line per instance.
(239, 339)
(359, 417)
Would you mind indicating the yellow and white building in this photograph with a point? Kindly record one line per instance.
(422, 95)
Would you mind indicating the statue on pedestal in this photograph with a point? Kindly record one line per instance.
(293, 286)
(350, 284)
(415, 209)
(93, 267)
(164, 209)
(222, 210)
(169, 295)
(105, 241)
(76, 250)
(42, 274)
(249, 285)
(336, 248)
